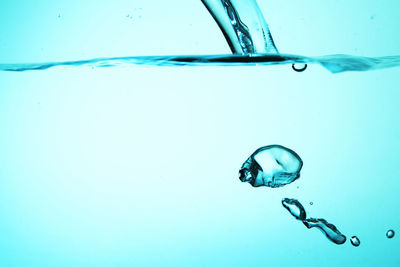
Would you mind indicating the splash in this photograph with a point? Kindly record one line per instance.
(247, 33)
(243, 25)
(249, 38)
(272, 166)
(297, 210)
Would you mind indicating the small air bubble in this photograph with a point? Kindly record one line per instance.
(295, 208)
(311, 203)
(299, 67)
(355, 241)
(390, 234)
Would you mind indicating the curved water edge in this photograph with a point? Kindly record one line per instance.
(333, 63)
(247, 33)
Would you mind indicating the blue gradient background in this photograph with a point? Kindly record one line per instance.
(138, 166)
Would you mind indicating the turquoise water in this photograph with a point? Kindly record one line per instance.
(138, 164)
(333, 63)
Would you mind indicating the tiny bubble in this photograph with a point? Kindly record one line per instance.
(311, 203)
(355, 241)
(390, 234)
(299, 67)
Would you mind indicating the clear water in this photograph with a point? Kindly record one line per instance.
(137, 164)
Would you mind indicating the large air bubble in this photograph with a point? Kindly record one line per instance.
(272, 166)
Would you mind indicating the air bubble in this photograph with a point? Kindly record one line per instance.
(355, 241)
(330, 230)
(295, 208)
(299, 67)
(272, 166)
(390, 233)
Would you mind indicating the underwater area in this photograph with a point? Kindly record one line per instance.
(199, 133)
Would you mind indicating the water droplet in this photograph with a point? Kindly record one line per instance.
(299, 67)
(272, 166)
(355, 241)
(295, 208)
(330, 231)
(390, 233)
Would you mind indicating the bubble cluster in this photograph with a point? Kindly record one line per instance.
(297, 210)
